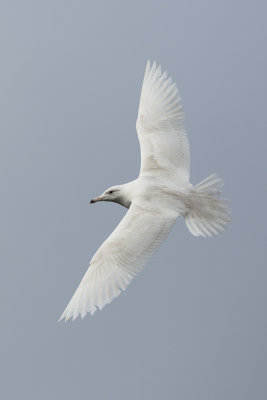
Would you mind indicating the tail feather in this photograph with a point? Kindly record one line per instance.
(207, 214)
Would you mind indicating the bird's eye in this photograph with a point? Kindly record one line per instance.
(110, 192)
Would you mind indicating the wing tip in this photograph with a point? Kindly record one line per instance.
(153, 66)
(62, 318)
(75, 314)
(155, 72)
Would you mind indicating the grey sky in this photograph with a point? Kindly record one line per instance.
(193, 324)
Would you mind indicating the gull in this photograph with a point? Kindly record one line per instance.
(161, 193)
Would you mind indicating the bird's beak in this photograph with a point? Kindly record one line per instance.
(96, 199)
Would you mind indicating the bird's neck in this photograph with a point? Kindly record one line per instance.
(126, 194)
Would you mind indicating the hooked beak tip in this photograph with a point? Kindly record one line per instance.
(96, 199)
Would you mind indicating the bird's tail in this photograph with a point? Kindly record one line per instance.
(207, 213)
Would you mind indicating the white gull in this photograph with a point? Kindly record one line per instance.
(160, 194)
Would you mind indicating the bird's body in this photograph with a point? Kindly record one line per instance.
(156, 192)
(161, 193)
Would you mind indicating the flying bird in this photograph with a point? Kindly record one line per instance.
(161, 193)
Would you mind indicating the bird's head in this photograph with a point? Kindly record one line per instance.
(115, 194)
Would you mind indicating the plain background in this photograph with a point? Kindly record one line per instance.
(193, 324)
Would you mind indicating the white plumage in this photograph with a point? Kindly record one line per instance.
(160, 194)
(163, 140)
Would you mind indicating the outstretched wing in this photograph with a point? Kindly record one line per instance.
(120, 258)
(162, 136)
